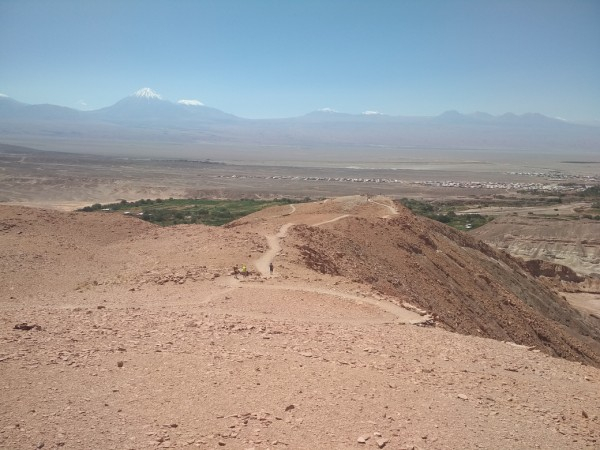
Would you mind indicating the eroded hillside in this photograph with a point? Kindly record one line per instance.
(571, 243)
(468, 286)
(116, 333)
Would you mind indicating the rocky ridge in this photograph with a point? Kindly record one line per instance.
(466, 285)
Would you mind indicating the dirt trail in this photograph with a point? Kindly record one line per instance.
(392, 209)
(335, 219)
(402, 315)
(262, 264)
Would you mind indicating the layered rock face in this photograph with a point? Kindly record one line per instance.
(572, 243)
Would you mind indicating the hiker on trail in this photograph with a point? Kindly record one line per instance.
(271, 268)
(244, 270)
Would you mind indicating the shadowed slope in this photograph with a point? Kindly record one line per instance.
(469, 287)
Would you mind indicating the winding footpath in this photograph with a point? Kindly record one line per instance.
(262, 263)
(392, 209)
(402, 315)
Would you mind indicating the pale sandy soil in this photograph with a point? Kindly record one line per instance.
(567, 209)
(148, 341)
(585, 301)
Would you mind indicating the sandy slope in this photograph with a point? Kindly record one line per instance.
(299, 360)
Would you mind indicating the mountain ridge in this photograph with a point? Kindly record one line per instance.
(189, 128)
(149, 94)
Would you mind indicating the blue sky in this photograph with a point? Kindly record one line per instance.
(282, 58)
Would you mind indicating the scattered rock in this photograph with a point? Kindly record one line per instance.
(382, 442)
(289, 407)
(25, 327)
(362, 439)
(463, 397)
(120, 363)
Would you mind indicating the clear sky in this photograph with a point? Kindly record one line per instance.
(282, 58)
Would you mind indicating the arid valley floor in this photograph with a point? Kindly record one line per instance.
(377, 328)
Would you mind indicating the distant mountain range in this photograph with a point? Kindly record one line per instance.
(143, 106)
(146, 117)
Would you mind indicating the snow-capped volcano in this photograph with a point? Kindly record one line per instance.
(147, 106)
(190, 102)
(147, 93)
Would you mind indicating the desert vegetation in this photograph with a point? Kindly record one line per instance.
(446, 214)
(175, 211)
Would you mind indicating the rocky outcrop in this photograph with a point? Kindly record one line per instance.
(539, 268)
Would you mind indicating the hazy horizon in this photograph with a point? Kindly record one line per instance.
(188, 102)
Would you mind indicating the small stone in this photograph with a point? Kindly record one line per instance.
(362, 439)
(463, 397)
(40, 445)
(289, 407)
(221, 443)
(120, 363)
(381, 442)
(584, 414)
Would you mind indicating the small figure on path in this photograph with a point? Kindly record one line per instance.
(271, 268)
(244, 270)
